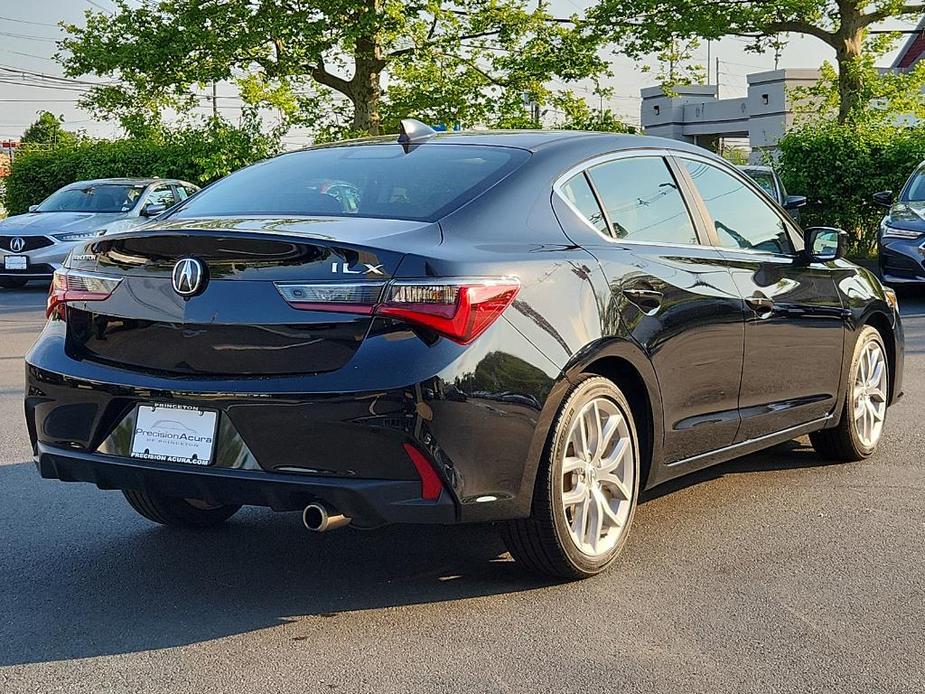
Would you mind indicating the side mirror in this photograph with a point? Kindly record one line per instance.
(33, 208)
(824, 244)
(884, 198)
(152, 210)
(794, 202)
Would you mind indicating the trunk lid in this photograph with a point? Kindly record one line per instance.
(237, 323)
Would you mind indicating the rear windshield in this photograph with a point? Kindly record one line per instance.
(107, 197)
(423, 184)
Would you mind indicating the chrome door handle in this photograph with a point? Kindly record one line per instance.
(647, 299)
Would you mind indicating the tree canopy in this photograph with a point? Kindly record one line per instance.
(47, 130)
(336, 65)
(643, 26)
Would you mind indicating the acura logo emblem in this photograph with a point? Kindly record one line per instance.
(17, 244)
(188, 275)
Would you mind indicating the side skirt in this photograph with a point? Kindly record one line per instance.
(736, 450)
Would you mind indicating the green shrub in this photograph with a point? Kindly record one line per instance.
(198, 155)
(838, 167)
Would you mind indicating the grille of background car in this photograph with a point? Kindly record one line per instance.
(31, 243)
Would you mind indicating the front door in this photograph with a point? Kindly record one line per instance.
(794, 319)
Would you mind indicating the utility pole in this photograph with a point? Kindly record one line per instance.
(709, 46)
(214, 100)
(717, 77)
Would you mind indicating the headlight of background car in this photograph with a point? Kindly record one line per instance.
(899, 213)
(78, 235)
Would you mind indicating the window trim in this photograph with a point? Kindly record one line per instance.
(793, 233)
(683, 190)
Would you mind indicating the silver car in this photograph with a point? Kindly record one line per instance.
(35, 244)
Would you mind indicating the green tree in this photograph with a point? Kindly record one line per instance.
(303, 57)
(47, 130)
(643, 26)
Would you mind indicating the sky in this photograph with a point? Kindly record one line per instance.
(27, 42)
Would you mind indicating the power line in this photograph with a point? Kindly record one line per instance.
(28, 36)
(26, 21)
(26, 55)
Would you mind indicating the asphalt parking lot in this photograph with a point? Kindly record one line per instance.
(773, 573)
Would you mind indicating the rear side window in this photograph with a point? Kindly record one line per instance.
(578, 192)
(383, 180)
(643, 201)
(741, 217)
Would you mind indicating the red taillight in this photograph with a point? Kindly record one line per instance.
(431, 486)
(69, 285)
(460, 309)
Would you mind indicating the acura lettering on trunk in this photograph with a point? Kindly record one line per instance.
(526, 328)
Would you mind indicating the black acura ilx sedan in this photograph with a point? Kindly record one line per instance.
(529, 328)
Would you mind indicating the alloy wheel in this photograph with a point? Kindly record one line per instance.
(870, 393)
(598, 477)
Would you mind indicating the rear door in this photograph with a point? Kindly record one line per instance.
(674, 294)
(794, 319)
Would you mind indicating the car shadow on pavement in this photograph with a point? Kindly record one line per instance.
(81, 575)
(790, 455)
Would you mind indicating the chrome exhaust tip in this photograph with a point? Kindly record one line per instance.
(319, 518)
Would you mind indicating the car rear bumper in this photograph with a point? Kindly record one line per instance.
(369, 501)
(343, 437)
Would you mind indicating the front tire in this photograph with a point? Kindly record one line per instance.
(858, 432)
(178, 513)
(586, 487)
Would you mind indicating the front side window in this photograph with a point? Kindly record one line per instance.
(643, 201)
(104, 197)
(765, 179)
(741, 217)
(162, 195)
(424, 183)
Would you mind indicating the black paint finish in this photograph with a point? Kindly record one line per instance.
(320, 404)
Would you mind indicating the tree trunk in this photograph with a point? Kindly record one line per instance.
(366, 89)
(848, 43)
(366, 85)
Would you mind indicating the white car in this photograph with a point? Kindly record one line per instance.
(35, 244)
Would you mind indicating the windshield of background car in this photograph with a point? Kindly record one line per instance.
(384, 181)
(915, 190)
(106, 197)
(765, 181)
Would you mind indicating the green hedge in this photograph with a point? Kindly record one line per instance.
(196, 155)
(839, 167)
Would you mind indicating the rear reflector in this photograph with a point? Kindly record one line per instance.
(358, 297)
(431, 486)
(69, 285)
(460, 309)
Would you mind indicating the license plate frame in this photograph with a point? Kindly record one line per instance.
(21, 263)
(170, 433)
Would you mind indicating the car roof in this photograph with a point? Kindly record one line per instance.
(123, 181)
(756, 167)
(531, 140)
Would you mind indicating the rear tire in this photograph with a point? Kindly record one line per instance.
(586, 487)
(858, 432)
(179, 513)
(12, 282)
